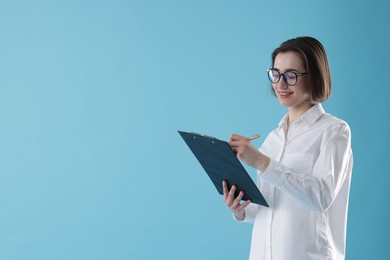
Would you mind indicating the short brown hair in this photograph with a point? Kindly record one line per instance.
(315, 62)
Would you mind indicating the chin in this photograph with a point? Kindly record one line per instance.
(283, 103)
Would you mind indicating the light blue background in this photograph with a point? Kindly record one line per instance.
(93, 92)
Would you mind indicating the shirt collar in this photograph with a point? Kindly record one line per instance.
(309, 117)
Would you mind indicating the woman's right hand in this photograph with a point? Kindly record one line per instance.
(234, 203)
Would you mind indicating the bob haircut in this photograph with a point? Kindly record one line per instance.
(315, 62)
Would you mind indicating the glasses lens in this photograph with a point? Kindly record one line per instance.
(290, 78)
(273, 75)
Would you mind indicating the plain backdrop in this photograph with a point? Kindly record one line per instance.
(92, 94)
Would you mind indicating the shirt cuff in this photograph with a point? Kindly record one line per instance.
(275, 173)
(237, 219)
(250, 213)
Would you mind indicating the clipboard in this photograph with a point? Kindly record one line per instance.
(220, 163)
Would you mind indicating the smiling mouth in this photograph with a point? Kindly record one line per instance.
(285, 94)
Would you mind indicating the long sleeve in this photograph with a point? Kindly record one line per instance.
(316, 189)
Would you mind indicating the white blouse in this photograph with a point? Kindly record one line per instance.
(306, 186)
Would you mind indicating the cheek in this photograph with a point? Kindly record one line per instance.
(304, 88)
(306, 95)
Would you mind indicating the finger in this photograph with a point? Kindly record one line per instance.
(230, 197)
(236, 202)
(233, 144)
(243, 205)
(240, 196)
(232, 191)
(225, 190)
(236, 137)
(240, 145)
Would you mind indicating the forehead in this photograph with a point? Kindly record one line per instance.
(288, 61)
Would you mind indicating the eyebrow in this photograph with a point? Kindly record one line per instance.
(288, 70)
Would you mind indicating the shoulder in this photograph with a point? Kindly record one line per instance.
(333, 125)
(334, 121)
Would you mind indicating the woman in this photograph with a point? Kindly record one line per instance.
(304, 165)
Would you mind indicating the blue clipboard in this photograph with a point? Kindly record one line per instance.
(220, 163)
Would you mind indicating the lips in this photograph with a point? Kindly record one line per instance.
(285, 94)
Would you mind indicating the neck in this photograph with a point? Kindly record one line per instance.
(294, 113)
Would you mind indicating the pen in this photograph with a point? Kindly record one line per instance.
(254, 137)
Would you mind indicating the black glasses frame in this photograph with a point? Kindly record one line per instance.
(284, 77)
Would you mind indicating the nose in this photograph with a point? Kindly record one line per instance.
(281, 83)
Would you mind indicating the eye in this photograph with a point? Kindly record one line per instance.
(275, 74)
(290, 75)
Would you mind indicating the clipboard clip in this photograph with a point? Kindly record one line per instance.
(207, 136)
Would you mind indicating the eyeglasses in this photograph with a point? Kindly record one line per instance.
(289, 77)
